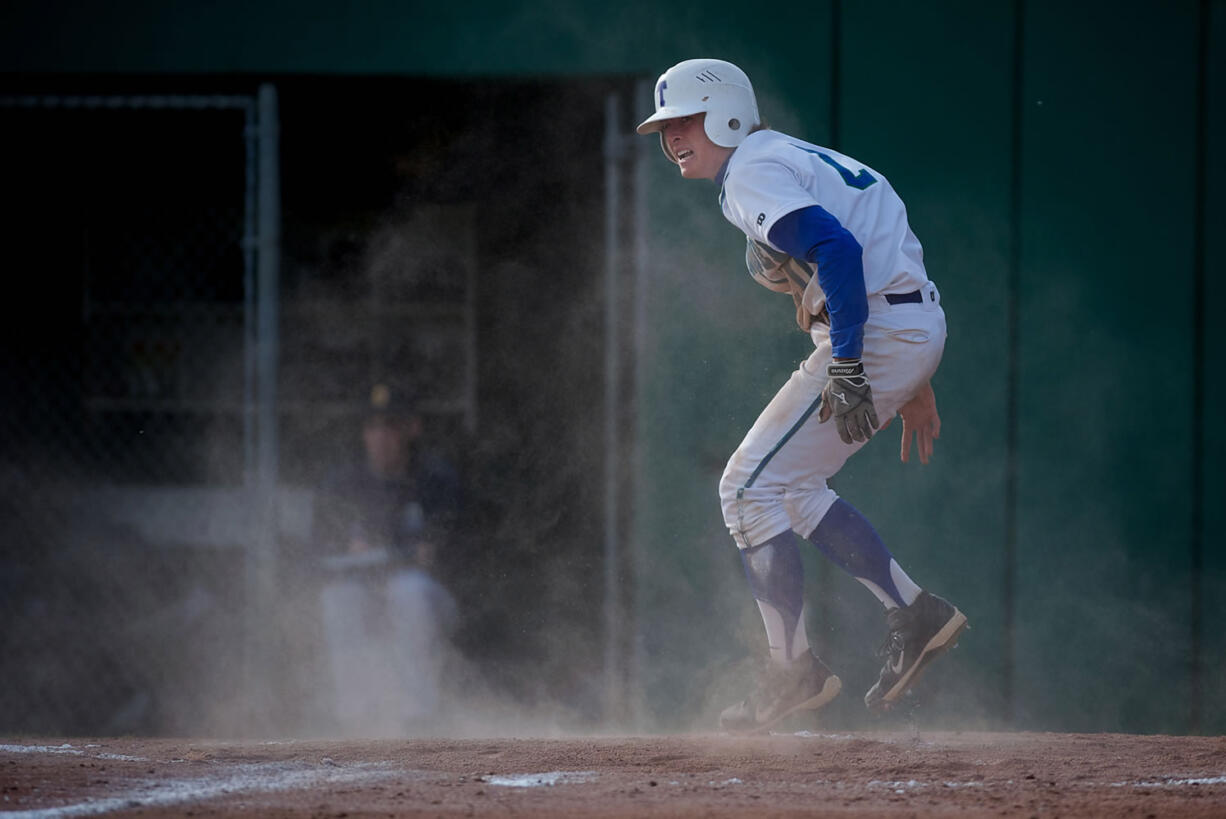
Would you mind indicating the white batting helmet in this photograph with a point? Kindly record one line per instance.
(715, 87)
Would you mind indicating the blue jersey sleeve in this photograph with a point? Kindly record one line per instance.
(814, 235)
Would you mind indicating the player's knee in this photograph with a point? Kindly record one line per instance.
(732, 500)
(735, 476)
(727, 489)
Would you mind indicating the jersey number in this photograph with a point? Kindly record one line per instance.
(859, 181)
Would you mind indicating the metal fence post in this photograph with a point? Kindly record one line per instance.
(261, 564)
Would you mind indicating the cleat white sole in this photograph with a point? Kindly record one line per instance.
(830, 690)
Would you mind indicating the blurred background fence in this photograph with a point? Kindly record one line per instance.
(133, 436)
(179, 397)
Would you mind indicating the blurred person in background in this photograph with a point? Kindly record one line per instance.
(381, 525)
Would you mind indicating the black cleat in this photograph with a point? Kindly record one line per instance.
(806, 685)
(919, 633)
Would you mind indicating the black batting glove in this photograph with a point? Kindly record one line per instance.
(848, 399)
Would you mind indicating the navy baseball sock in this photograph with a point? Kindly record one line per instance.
(776, 578)
(851, 542)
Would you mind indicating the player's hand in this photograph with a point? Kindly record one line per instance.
(848, 399)
(919, 418)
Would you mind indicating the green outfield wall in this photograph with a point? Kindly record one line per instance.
(1063, 166)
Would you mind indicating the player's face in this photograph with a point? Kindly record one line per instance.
(386, 442)
(697, 156)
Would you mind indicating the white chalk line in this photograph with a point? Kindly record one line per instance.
(270, 777)
(1174, 782)
(68, 749)
(1168, 782)
(537, 780)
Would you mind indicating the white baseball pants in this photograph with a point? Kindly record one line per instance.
(386, 642)
(776, 479)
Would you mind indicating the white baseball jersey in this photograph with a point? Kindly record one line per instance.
(772, 174)
(777, 478)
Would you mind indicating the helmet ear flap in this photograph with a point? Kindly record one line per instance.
(732, 112)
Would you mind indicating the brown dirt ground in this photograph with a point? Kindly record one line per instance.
(801, 774)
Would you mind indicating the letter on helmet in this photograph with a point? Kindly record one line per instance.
(714, 87)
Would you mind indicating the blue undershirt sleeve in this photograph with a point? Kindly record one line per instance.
(814, 235)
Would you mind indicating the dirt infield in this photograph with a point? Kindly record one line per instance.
(861, 774)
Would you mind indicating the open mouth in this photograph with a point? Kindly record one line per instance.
(684, 153)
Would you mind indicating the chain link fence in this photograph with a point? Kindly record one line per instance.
(171, 405)
(127, 427)
(171, 414)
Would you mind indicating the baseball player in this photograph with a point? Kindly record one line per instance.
(380, 524)
(831, 232)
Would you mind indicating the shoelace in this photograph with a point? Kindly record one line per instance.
(894, 642)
